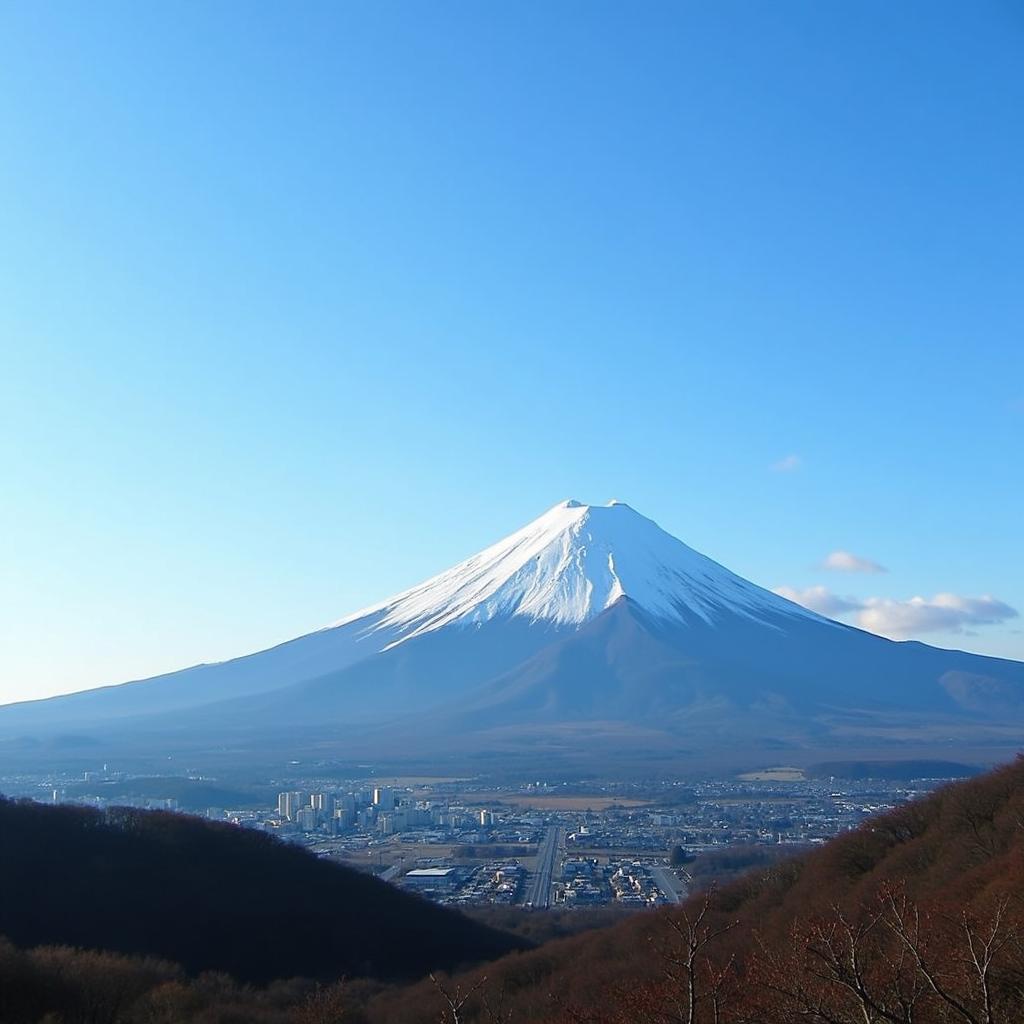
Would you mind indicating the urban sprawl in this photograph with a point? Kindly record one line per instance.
(532, 844)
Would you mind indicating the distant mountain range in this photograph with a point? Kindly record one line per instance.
(588, 632)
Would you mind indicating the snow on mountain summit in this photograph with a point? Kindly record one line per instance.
(592, 616)
(566, 567)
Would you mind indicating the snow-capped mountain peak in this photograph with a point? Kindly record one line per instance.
(569, 565)
(587, 631)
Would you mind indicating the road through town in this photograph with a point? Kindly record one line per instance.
(538, 889)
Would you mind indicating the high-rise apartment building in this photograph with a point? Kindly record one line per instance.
(384, 798)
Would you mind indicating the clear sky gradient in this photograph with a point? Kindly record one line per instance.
(300, 304)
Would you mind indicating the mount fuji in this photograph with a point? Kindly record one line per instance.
(589, 630)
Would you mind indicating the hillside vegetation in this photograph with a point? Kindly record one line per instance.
(914, 918)
(212, 897)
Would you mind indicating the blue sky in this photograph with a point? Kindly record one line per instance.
(299, 305)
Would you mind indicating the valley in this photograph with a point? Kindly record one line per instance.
(534, 844)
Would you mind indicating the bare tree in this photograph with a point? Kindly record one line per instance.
(454, 1002)
(892, 963)
(830, 976)
(962, 976)
(695, 980)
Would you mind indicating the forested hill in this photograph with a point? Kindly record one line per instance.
(914, 918)
(215, 897)
(917, 917)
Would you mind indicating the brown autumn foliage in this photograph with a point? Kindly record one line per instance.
(915, 918)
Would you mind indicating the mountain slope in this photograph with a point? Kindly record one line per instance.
(555, 574)
(587, 616)
(214, 897)
(706, 685)
(570, 565)
(955, 856)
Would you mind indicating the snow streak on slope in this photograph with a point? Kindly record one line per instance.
(570, 565)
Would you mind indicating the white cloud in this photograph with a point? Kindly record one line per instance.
(944, 613)
(789, 464)
(820, 600)
(844, 561)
